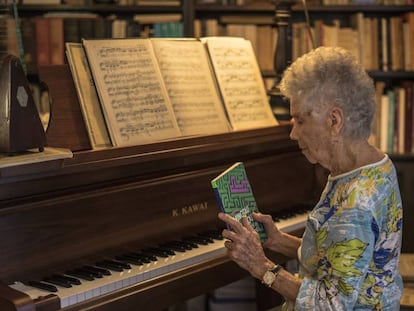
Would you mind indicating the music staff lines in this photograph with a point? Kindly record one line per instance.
(148, 128)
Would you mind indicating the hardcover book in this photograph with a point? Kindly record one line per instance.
(235, 196)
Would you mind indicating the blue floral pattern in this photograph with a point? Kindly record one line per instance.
(351, 246)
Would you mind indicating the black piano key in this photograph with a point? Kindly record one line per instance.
(198, 240)
(71, 280)
(124, 264)
(44, 286)
(207, 236)
(168, 250)
(130, 259)
(211, 234)
(174, 246)
(110, 266)
(120, 264)
(57, 281)
(181, 245)
(82, 274)
(146, 258)
(206, 239)
(96, 272)
(156, 252)
(190, 243)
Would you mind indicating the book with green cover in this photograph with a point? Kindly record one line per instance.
(235, 196)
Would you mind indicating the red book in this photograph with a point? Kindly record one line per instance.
(42, 41)
(56, 42)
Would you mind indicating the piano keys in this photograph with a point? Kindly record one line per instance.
(100, 204)
(83, 283)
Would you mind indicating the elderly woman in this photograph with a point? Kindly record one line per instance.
(350, 249)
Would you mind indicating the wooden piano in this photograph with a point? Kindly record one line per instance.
(102, 204)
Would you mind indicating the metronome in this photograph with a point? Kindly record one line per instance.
(20, 126)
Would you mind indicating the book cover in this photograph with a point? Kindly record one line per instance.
(235, 196)
(88, 98)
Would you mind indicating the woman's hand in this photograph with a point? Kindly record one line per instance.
(244, 246)
(277, 240)
(274, 235)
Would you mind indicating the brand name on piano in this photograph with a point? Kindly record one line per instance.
(190, 209)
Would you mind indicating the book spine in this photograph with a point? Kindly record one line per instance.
(220, 203)
(42, 41)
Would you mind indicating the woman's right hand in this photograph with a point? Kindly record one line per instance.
(277, 240)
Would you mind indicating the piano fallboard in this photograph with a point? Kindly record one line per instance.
(103, 202)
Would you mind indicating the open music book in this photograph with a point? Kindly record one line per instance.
(235, 196)
(156, 89)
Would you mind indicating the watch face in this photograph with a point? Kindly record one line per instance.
(269, 278)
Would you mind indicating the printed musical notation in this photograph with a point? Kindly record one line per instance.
(130, 87)
(156, 89)
(240, 82)
(190, 86)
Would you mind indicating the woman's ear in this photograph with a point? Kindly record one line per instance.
(336, 119)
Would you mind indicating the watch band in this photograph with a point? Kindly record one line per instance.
(276, 269)
(270, 275)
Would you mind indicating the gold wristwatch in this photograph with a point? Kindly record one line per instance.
(270, 275)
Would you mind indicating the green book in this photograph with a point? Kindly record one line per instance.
(235, 196)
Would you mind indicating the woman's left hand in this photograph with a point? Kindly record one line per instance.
(244, 246)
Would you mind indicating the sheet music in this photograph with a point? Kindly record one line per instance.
(88, 99)
(193, 94)
(240, 82)
(130, 87)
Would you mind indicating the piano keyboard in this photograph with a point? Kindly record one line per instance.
(81, 289)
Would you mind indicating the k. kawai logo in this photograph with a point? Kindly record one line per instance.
(190, 209)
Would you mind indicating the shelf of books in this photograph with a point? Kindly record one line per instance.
(45, 26)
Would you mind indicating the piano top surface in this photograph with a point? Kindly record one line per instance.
(92, 167)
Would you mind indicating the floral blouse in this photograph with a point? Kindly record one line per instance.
(351, 246)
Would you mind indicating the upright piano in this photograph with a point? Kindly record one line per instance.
(133, 207)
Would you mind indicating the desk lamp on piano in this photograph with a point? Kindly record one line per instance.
(21, 128)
